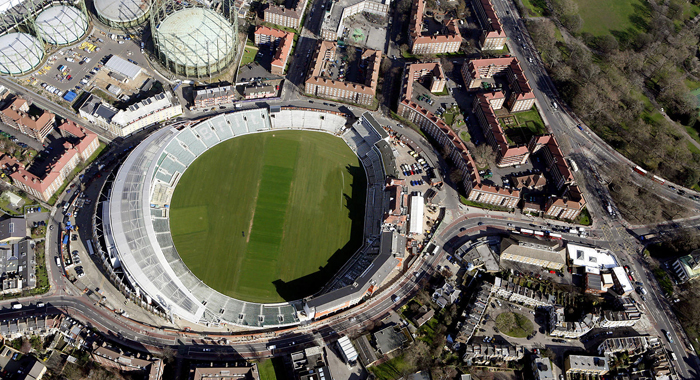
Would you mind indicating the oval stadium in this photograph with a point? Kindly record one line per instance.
(141, 242)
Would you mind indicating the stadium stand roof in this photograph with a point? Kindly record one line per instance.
(137, 222)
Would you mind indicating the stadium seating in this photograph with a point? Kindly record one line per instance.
(191, 141)
(223, 129)
(207, 134)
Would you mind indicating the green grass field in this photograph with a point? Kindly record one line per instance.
(270, 217)
(600, 17)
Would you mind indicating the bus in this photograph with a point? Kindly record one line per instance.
(640, 170)
(88, 244)
(527, 232)
(658, 180)
(555, 236)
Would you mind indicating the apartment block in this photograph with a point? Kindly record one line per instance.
(507, 152)
(632, 345)
(485, 353)
(523, 249)
(493, 37)
(155, 109)
(435, 44)
(586, 365)
(515, 293)
(214, 97)
(333, 26)
(44, 185)
(554, 159)
(282, 43)
(559, 327)
(31, 121)
(568, 206)
(430, 74)
(521, 97)
(287, 17)
(123, 361)
(321, 85)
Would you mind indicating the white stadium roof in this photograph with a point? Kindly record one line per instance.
(122, 10)
(61, 24)
(196, 37)
(19, 53)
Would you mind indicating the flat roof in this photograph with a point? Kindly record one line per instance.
(416, 214)
(123, 67)
(622, 278)
(584, 256)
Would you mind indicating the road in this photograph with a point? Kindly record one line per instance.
(590, 151)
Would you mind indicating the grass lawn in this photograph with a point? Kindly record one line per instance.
(283, 219)
(532, 120)
(536, 7)
(249, 55)
(272, 369)
(584, 218)
(390, 370)
(514, 324)
(600, 17)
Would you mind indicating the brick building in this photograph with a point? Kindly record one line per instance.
(521, 97)
(554, 159)
(493, 37)
(507, 153)
(454, 147)
(279, 40)
(125, 362)
(32, 122)
(430, 74)
(568, 206)
(435, 44)
(287, 17)
(43, 186)
(319, 84)
(214, 97)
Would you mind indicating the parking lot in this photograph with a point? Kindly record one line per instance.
(414, 169)
(81, 58)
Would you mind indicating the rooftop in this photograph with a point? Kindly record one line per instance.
(586, 256)
(123, 67)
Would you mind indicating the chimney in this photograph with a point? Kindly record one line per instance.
(24, 176)
(33, 180)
